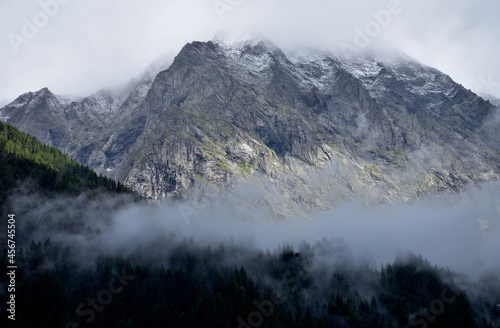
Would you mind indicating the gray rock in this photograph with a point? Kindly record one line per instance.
(317, 129)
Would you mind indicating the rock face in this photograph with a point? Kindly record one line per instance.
(73, 125)
(320, 129)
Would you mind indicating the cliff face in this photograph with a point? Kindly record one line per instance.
(320, 129)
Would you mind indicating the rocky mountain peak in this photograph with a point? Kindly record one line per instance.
(27, 97)
(321, 128)
(44, 92)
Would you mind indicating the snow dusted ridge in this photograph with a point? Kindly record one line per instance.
(20, 101)
(68, 99)
(103, 104)
(70, 122)
(238, 106)
(229, 40)
(249, 52)
(318, 67)
(251, 57)
(371, 71)
(315, 67)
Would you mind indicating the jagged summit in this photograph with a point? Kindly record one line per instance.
(227, 110)
(43, 92)
(30, 100)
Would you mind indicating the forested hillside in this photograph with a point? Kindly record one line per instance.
(47, 170)
(193, 290)
(66, 277)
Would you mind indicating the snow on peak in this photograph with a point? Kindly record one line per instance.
(249, 52)
(301, 55)
(365, 68)
(314, 67)
(255, 44)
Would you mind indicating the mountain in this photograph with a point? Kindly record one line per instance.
(68, 123)
(321, 129)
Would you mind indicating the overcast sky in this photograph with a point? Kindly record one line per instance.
(80, 46)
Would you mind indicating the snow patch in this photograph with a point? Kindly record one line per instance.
(233, 40)
(68, 99)
(314, 68)
(17, 104)
(368, 68)
(250, 61)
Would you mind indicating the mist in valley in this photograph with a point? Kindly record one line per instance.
(459, 232)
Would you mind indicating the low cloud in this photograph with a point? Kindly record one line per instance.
(459, 232)
(80, 49)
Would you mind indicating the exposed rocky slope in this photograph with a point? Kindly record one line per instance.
(319, 129)
(69, 124)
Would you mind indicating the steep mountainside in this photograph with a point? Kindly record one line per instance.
(321, 129)
(69, 124)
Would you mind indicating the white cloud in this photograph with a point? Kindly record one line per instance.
(92, 44)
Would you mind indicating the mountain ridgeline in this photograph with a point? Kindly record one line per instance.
(322, 129)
